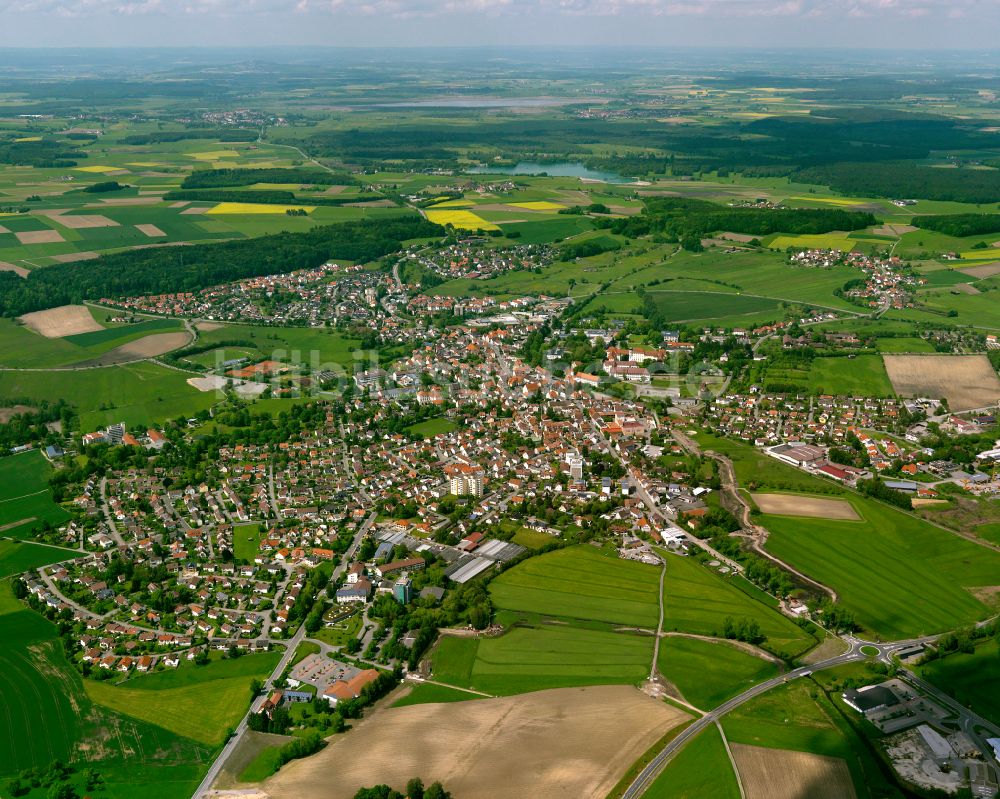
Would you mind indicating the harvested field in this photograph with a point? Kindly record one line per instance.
(983, 270)
(150, 230)
(180, 204)
(73, 257)
(919, 502)
(967, 381)
(965, 288)
(570, 742)
(20, 271)
(84, 221)
(8, 413)
(893, 230)
(801, 505)
(743, 238)
(67, 320)
(40, 237)
(208, 327)
(784, 774)
(152, 199)
(3, 230)
(146, 347)
(200, 210)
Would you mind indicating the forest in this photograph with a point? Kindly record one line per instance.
(688, 221)
(906, 181)
(960, 224)
(172, 269)
(221, 178)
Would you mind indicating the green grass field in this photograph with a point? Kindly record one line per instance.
(549, 656)
(970, 678)
(137, 394)
(708, 673)
(47, 715)
(17, 557)
(701, 769)
(799, 717)
(433, 427)
(900, 576)
(861, 375)
(246, 541)
(200, 703)
(581, 583)
(25, 498)
(425, 693)
(684, 306)
(698, 601)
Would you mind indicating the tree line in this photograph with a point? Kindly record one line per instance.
(180, 269)
(220, 178)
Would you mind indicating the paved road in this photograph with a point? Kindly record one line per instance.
(649, 774)
(234, 740)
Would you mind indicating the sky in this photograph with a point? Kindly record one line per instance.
(893, 24)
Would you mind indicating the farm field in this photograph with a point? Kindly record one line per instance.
(561, 743)
(755, 470)
(967, 381)
(969, 678)
(319, 348)
(25, 498)
(546, 656)
(687, 306)
(900, 576)
(707, 673)
(22, 347)
(702, 768)
(137, 394)
(49, 715)
(17, 557)
(859, 375)
(196, 704)
(580, 583)
(780, 774)
(801, 505)
(797, 718)
(698, 601)
(426, 693)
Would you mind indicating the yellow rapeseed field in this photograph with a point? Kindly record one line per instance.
(257, 208)
(463, 220)
(538, 205)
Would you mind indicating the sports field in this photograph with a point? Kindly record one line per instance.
(581, 583)
(901, 576)
(707, 673)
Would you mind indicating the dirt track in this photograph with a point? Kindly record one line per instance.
(571, 742)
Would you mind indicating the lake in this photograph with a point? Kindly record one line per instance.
(563, 169)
